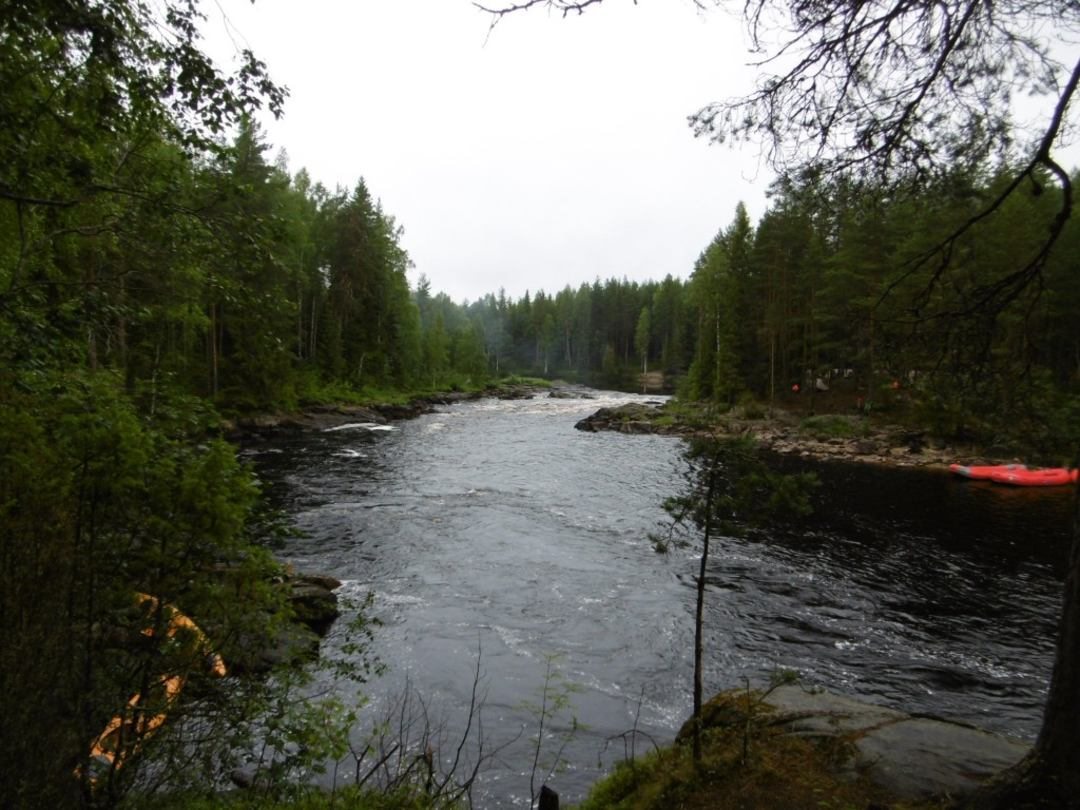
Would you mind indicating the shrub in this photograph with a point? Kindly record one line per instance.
(831, 426)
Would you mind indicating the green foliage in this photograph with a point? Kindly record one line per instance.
(611, 371)
(98, 503)
(167, 248)
(278, 729)
(750, 408)
(728, 489)
(746, 493)
(436, 351)
(832, 426)
(468, 355)
(835, 278)
(643, 338)
(718, 288)
(148, 267)
(782, 770)
(515, 379)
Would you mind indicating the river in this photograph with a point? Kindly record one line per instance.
(493, 529)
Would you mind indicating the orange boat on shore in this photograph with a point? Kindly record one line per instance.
(984, 473)
(1050, 477)
(1018, 475)
(124, 733)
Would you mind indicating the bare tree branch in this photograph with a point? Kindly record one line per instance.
(994, 297)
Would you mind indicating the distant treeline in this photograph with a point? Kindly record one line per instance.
(896, 293)
(231, 279)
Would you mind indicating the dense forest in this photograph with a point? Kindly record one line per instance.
(158, 267)
(229, 279)
(171, 257)
(837, 281)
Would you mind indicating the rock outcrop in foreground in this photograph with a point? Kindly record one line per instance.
(913, 758)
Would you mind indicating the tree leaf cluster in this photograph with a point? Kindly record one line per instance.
(143, 274)
(730, 488)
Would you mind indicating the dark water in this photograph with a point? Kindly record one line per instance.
(495, 526)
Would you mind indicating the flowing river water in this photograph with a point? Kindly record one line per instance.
(494, 530)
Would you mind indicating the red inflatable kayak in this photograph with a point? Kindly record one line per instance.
(985, 473)
(1018, 475)
(1050, 477)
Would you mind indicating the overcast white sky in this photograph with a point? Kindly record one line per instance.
(549, 153)
(552, 152)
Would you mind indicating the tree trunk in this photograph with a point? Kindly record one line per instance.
(772, 368)
(299, 321)
(213, 347)
(716, 388)
(549, 799)
(91, 349)
(870, 363)
(122, 339)
(1049, 777)
(699, 612)
(1060, 734)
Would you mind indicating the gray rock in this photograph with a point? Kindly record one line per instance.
(322, 580)
(922, 758)
(291, 645)
(315, 606)
(819, 713)
(618, 418)
(314, 601)
(915, 758)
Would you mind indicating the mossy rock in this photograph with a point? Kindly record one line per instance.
(726, 710)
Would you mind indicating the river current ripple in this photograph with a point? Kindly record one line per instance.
(494, 528)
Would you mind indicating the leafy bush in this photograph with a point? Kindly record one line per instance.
(515, 379)
(751, 408)
(831, 426)
(100, 504)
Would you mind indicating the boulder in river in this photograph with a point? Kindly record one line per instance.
(314, 601)
(642, 416)
(314, 605)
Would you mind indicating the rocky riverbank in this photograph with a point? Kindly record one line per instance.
(328, 416)
(827, 436)
(314, 605)
(911, 758)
